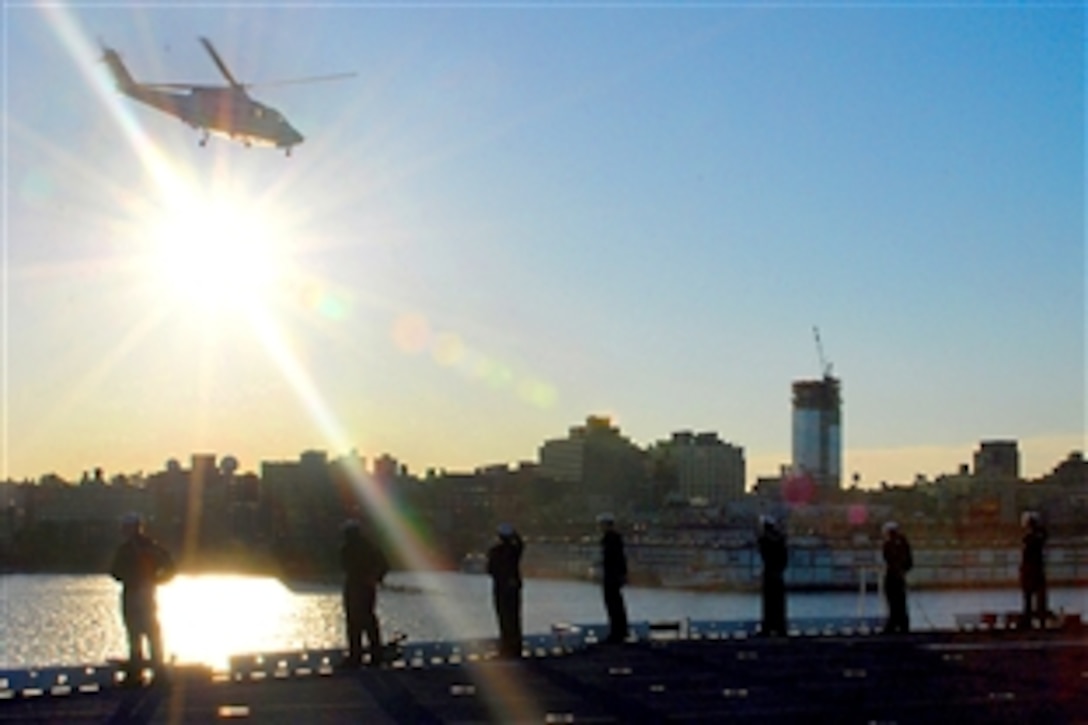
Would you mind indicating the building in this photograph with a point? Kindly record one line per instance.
(817, 431)
(997, 460)
(706, 469)
(303, 511)
(609, 469)
(91, 501)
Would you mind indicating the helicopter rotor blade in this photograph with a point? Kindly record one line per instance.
(299, 81)
(183, 86)
(219, 62)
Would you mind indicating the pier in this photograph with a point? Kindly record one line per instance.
(825, 671)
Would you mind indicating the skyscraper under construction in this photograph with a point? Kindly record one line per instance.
(817, 431)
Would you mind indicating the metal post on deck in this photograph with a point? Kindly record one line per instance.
(861, 593)
(863, 589)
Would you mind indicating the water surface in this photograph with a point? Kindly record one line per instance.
(67, 620)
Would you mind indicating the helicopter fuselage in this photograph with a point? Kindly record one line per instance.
(227, 111)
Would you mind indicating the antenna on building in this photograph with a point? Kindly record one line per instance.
(825, 366)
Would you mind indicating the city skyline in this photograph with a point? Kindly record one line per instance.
(372, 459)
(515, 217)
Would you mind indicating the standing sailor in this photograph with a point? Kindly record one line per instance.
(614, 570)
(504, 566)
(141, 564)
(898, 560)
(775, 555)
(1033, 570)
(364, 567)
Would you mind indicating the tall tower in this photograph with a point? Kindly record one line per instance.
(817, 431)
(817, 426)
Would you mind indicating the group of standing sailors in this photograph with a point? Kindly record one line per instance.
(505, 556)
(774, 552)
(898, 561)
(141, 564)
(504, 567)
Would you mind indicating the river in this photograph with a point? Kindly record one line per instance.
(71, 620)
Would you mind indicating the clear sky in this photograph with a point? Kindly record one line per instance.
(520, 214)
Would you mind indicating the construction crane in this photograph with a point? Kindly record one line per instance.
(825, 366)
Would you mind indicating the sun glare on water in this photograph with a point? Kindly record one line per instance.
(209, 618)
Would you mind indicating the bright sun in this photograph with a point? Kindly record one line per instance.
(216, 252)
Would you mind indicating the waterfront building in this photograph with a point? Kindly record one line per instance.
(192, 506)
(609, 469)
(387, 470)
(1061, 496)
(997, 459)
(60, 525)
(93, 500)
(209, 514)
(705, 468)
(1071, 473)
(817, 432)
(302, 510)
(986, 497)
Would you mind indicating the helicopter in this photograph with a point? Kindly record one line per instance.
(224, 110)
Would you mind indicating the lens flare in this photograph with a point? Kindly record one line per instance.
(537, 393)
(857, 514)
(411, 333)
(447, 349)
